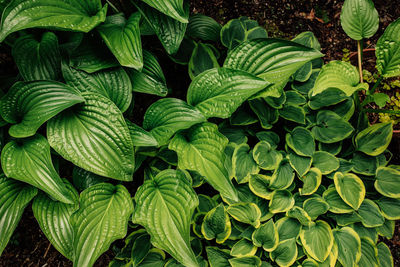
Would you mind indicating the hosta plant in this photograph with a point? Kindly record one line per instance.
(262, 161)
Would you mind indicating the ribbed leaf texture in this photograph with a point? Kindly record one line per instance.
(164, 206)
(172, 8)
(204, 28)
(388, 51)
(140, 137)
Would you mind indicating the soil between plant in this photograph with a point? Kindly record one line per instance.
(282, 18)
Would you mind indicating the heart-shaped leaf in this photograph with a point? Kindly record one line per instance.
(301, 141)
(286, 253)
(216, 225)
(331, 128)
(385, 257)
(317, 240)
(315, 206)
(266, 236)
(243, 248)
(164, 206)
(266, 156)
(388, 51)
(388, 182)
(173, 8)
(243, 163)
(350, 188)
(97, 125)
(349, 246)
(281, 201)
(312, 180)
(375, 139)
(335, 201)
(325, 162)
(245, 212)
(390, 208)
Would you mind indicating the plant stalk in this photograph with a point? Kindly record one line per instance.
(388, 111)
(359, 52)
(378, 82)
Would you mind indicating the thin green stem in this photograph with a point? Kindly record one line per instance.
(360, 55)
(388, 111)
(373, 89)
(113, 7)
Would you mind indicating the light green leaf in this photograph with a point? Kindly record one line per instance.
(381, 99)
(29, 161)
(307, 39)
(283, 176)
(331, 128)
(301, 141)
(315, 206)
(388, 182)
(14, 197)
(266, 156)
(102, 218)
(218, 257)
(370, 214)
(288, 228)
(349, 246)
(259, 185)
(99, 126)
(243, 248)
(202, 149)
(72, 15)
(317, 240)
(390, 208)
(172, 8)
(37, 59)
(312, 180)
(140, 137)
(281, 201)
(369, 253)
(385, 258)
(247, 261)
(243, 163)
(350, 188)
(286, 253)
(202, 59)
(299, 214)
(53, 218)
(388, 51)
(122, 36)
(325, 162)
(245, 212)
(335, 201)
(30, 104)
(216, 224)
(374, 139)
(204, 28)
(220, 91)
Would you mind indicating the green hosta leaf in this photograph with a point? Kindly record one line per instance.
(325, 162)
(364, 164)
(172, 8)
(385, 258)
(338, 74)
(169, 31)
(219, 92)
(300, 164)
(267, 115)
(102, 217)
(83, 179)
(169, 115)
(350, 188)
(309, 263)
(151, 79)
(370, 214)
(245, 212)
(97, 125)
(328, 97)
(140, 137)
(122, 36)
(305, 87)
(218, 257)
(388, 182)
(53, 218)
(288, 228)
(369, 253)
(14, 197)
(317, 240)
(155, 258)
(243, 248)
(243, 163)
(299, 214)
(271, 59)
(259, 185)
(307, 39)
(348, 219)
(293, 113)
(72, 15)
(375, 139)
(387, 229)
(271, 137)
(335, 202)
(301, 141)
(295, 98)
(312, 180)
(359, 19)
(29, 161)
(349, 246)
(390, 208)
(266, 156)
(286, 253)
(315, 207)
(169, 228)
(216, 224)
(283, 176)
(202, 59)
(245, 261)
(304, 73)
(204, 28)
(331, 128)
(38, 59)
(333, 148)
(388, 51)
(242, 117)
(30, 104)
(362, 231)
(281, 201)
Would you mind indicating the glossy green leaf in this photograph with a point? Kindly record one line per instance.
(202, 59)
(336, 203)
(370, 214)
(388, 52)
(331, 128)
(369, 253)
(243, 248)
(385, 258)
(359, 19)
(242, 116)
(281, 201)
(312, 180)
(245, 261)
(317, 240)
(14, 197)
(307, 39)
(364, 164)
(299, 214)
(243, 163)
(245, 212)
(283, 176)
(140, 137)
(325, 162)
(328, 97)
(102, 217)
(122, 36)
(288, 228)
(30, 104)
(259, 185)
(216, 224)
(286, 253)
(267, 115)
(350, 188)
(304, 73)
(204, 28)
(390, 208)
(388, 182)
(266, 156)
(374, 139)
(301, 141)
(172, 8)
(95, 127)
(219, 92)
(349, 246)
(53, 218)
(155, 258)
(29, 161)
(72, 15)
(315, 206)
(37, 59)
(295, 98)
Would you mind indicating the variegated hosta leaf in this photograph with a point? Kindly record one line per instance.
(317, 240)
(96, 127)
(283, 176)
(122, 36)
(172, 8)
(375, 139)
(281, 201)
(102, 218)
(370, 214)
(245, 212)
(388, 51)
(288, 228)
(328, 97)
(164, 206)
(245, 261)
(315, 206)
(220, 91)
(385, 257)
(350, 188)
(312, 180)
(369, 253)
(111, 83)
(243, 248)
(359, 19)
(390, 208)
(338, 74)
(201, 149)
(286, 253)
(169, 115)
(266, 236)
(388, 181)
(301, 141)
(271, 59)
(259, 186)
(335, 201)
(300, 164)
(140, 137)
(29, 161)
(266, 156)
(14, 197)
(37, 59)
(325, 162)
(216, 225)
(72, 15)
(218, 257)
(331, 128)
(54, 220)
(243, 164)
(349, 246)
(30, 104)
(300, 214)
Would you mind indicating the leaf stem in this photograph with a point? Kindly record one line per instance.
(359, 53)
(388, 111)
(378, 82)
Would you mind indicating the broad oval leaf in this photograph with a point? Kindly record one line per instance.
(102, 218)
(122, 36)
(328, 97)
(293, 113)
(95, 127)
(54, 220)
(350, 188)
(266, 156)
(388, 182)
(388, 51)
(38, 59)
(245, 212)
(202, 149)
(30, 104)
(288, 228)
(266, 236)
(359, 19)
(216, 224)
(286, 253)
(243, 248)
(299, 214)
(218, 257)
(315, 206)
(325, 162)
(312, 180)
(370, 214)
(301, 141)
(243, 164)
(281, 201)
(331, 128)
(220, 91)
(349, 246)
(385, 257)
(375, 139)
(369, 253)
(317, 240)
(164, 206)
(29, 161)
(283, 176)
(72, 15)
(390, 208)
(300, 164)
(335, 201)
(204, 28)
(259, 185)
(169, 115)
(172, 8)
(14, 197)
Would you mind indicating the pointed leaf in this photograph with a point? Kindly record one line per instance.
(388, 182)
(140, 137)
(245, 261)
(203, 27)
(300, 164)
(218, 257)
(172, 8)
(350, 188)
(335, 202)
(283, 176)
(259, 185)
(317, 240)
(288, 228)
(301, 141)
(243, 163)
(388, 51)
(374, 139)
(266, 236)
(266, 156)
(286, 253)
(243, 248)
(331, 128)
(315, 207)
(325, 162)
(390, 208)
(202, 59)
(216, 225)
(312, 180)
(281, 201)
(349, 246)
(245, 212)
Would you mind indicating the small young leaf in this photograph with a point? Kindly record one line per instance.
(286, 253)
(216, 224)
(245, 212)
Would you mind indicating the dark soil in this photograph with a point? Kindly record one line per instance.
(282, 18)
